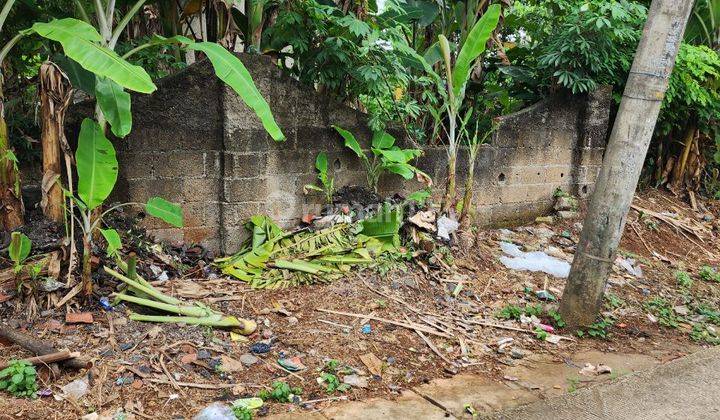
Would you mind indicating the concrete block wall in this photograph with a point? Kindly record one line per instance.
(195, 142)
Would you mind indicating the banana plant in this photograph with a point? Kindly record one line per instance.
(327, 183)
(386, 157)
(452, 87)
(97, 170)
(91, 51)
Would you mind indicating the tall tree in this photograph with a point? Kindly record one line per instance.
(624, 157)
(11, 205)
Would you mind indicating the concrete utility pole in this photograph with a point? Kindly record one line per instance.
(624, 157)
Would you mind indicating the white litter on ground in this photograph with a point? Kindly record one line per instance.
(533, 261)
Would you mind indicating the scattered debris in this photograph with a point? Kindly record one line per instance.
(533, 261)
(446, 227)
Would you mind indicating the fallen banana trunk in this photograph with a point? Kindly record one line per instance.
(197, 314)
(272, 258)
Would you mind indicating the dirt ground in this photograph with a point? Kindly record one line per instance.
(401, 326)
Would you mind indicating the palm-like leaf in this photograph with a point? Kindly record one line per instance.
(232, 71)
(115, 105)
(474, 46)
(80, 41)
(97, 166)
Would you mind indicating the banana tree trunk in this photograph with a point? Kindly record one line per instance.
(54, 98)
(11, 213)
(255, 10)
(468, 211)
(679, 170)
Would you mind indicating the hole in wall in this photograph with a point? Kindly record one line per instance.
(337, 164)
(584, 189)
(501, 177)
(562, 175)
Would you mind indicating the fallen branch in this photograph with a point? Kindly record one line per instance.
(39, 347)
(46, 359)
(197, 385)
(415, 327)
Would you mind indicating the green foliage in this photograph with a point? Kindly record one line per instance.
(514, 312)
(693, 95)
(701, 333)
(19, 249)
(272, 258)
(97, 166)
(19, 379)
(244, 408)
(599, 329)
(281, 392)
(663, 310)
(541, 334)
(386, 157)
(115, 105)
(613, 301)
(472, 48)
(347, 57)
(684, 279)
(232, 71)
(242, 413)
(332, 383)
(708, 273)
(327, 184)
(577, 44)
(82, 43)
(164, 210)
(114, 243)
(557, 319)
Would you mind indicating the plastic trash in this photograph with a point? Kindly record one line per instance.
(630, 265)
(533, 261)
(76, 389)
(260, 348)
(446, 227)
(216, 411)
(366, 329)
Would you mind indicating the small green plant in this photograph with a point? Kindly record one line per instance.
(599, 329)
(662, 309)
(541, 334)
(242, 413)
(556, 318)
(281, 392)
(327, 184)
(612, 301)
(332, 383)
(702, 334)
(244, 408)
(573, 383)
(386, 157)
(19, 250)
(708, 273)
(531, 310)
(510, 312)
(684, 279)
(332, 366)
(19, 379)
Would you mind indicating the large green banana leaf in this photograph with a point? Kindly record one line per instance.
(97, 166)
(474, 46)
(350, 141)
(115, 105)
(80, 41)
(165, 210)
(232, 71)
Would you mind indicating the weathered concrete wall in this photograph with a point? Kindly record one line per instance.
(196, 143)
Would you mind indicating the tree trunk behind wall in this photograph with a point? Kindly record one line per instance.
(615, 188)
(11, 212)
